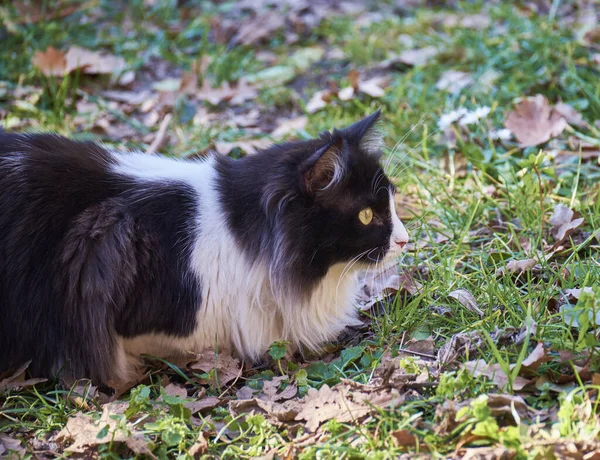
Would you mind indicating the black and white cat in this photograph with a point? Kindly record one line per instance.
(105, 255)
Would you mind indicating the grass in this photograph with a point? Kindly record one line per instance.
(465, 230)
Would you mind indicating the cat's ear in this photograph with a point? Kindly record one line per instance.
(366, 135)
(326, 167)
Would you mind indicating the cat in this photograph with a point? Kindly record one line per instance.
(105, 255)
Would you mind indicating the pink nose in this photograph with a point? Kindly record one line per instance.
(401, 243)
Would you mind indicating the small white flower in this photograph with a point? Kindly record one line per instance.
(448, 118)
(469, 119)
(501, 134)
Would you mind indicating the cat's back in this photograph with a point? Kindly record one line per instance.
(92, 243)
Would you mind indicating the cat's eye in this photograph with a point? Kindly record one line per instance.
(366, 216)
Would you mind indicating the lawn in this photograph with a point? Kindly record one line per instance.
(482, 343)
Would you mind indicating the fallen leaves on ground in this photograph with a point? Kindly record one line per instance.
(467, 300)
(85, 433)
(534, 121)
(563, 223)
(248, 146)
(14, 379)
(377, 286)
(57, 63)
(226, 367)
(454, 81)
(496, 374)
(344, 402)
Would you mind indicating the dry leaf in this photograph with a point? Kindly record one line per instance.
(85, 432)
(173, 389)
(317, 101)
(93, 62)
(495, 373)
(373, 87)
(227, 367)
(199, 447)
(51, 62)
(289, 126)
(563, 223)
(234, 95)
(11, 448)
(270, 389)
(537, 357)
(250, 146)
(345, 94)
(257, 28)
(404, 438)
(572, 116)
(56, 63)
(454, 81)
(467, 300)
(199, 405)
(534, 121)
(460, 345)
(414, 57)
(344, 402)
(517, 266)
(14, 379)
(376, 286)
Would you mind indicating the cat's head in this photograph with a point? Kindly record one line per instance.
(332, 202)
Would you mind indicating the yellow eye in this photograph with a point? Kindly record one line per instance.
(366, 216)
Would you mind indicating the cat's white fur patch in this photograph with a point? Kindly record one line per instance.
(239, 310)
(399, 235)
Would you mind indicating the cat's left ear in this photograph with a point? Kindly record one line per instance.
(366, 135)
(326, 167)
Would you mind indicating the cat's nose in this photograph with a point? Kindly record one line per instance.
(400, 243)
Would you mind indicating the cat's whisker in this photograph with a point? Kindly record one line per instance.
(402, 139)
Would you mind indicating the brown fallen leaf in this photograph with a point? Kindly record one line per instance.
(377, 286)
(271, 392)
(258, 28)
(14, 379)
(289, 126)
(344, 402)
(454, 81)
(463, 344)
(51, 62)
(413, 57)
(373, 87)
(249, 146)
(234, 95)
(534, 121)
(11, 448)
(517, 266)
(199, 447)
(86, 433)
(563, 223)
(31, 12)
(404, 438)
(204, 403)
(467, 300)
(572, 116)
(56, 63)
(318, 101)
(495, 373)
(173, 389)
(227, 368)
(536, 358)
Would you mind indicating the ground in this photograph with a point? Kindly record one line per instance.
(483, 344)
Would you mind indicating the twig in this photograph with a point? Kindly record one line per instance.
(160, 135)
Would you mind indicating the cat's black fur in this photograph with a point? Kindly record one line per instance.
(87, 255)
